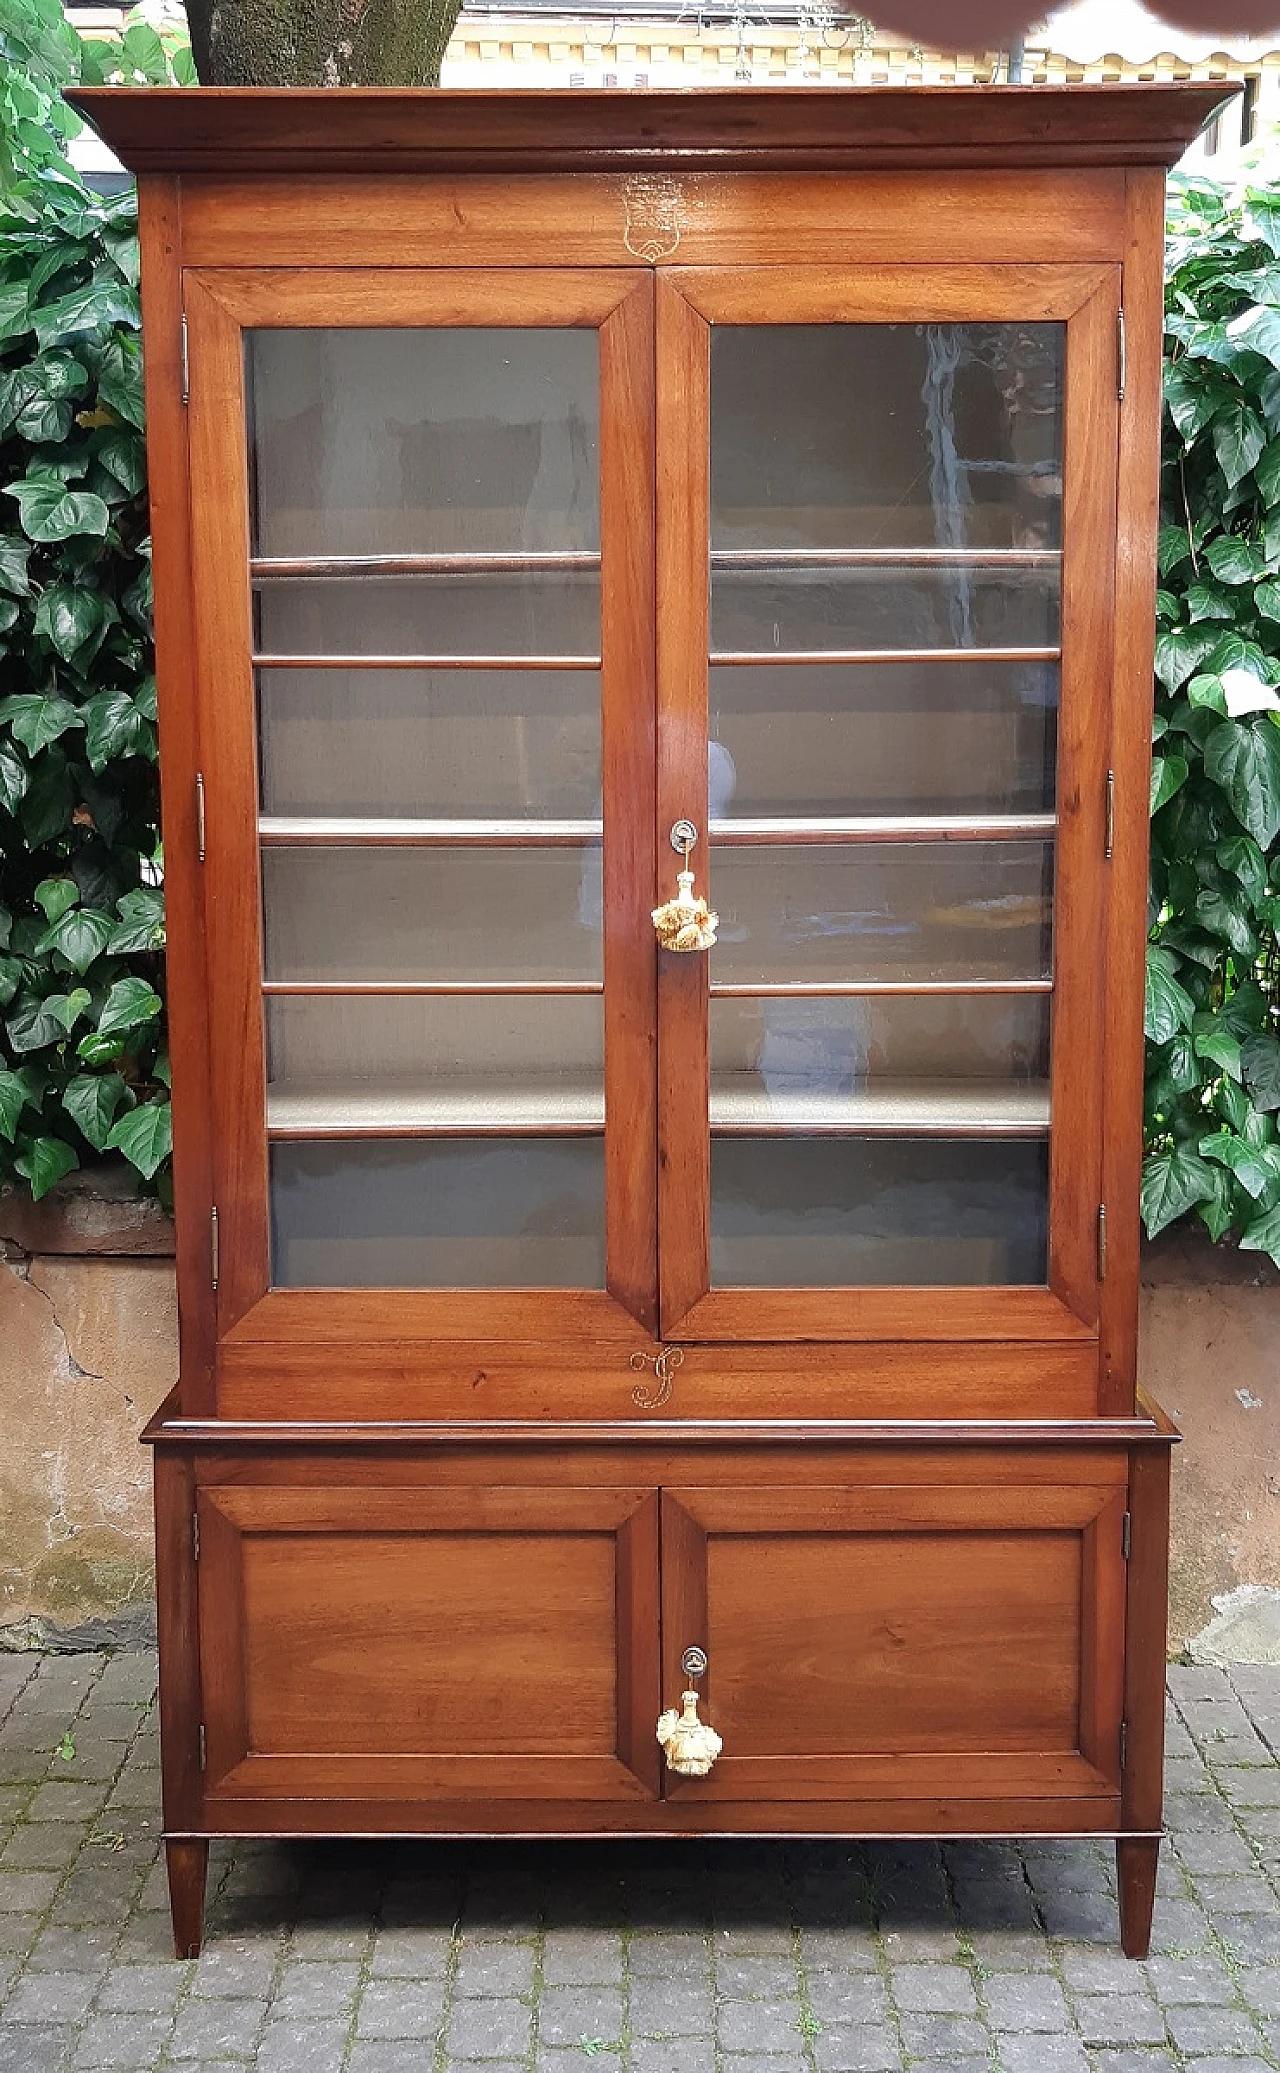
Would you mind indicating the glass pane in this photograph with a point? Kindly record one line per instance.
(815, 610)
(887, 435)
(455, 1213)
(391, 1063)
(812, 1212)
(802, 913)
(536, 613)
(424, 441)
(433, 914)
(452, 743)
(898, 738)
(952, 1064)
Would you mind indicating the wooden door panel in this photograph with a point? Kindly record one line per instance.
(926, 1639)
(466, 1642)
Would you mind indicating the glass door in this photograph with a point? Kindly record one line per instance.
(884, 706)
(424, 582)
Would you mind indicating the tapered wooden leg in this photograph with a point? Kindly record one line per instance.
(1137, 1859)
(187, 1863)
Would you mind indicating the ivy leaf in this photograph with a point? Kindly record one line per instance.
(53, 896)
(37, 718)
(100, 1050)
(1179, 651)
(14, 1096)
(74, 621)
(1257, 330)
(98, 307)
(1172, 1183)
(1234, 560)
(1169, 1007)
(81, 936)
(67, 1008)
(1168, 775)
(14, 555)
(1260, 1063)
(120, 380)
(49, 511)
(1217, 1212)
(1263, 1235)
(1206, 601)
(141, 923)
(114, 727)
(1267, 600)
(91, 1100)
(122, 454)
(34, 1024)
(1240, 856)
(48, 803)
(1174, 548)
(1239, 437)
(1220, 1048)
(1227, 914)
(145, 1136)
(130, 1003)
(44, 1161)
(14, 778)
(1262, 219)
(1243, 759)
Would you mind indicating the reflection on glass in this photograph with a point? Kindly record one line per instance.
(424, 441)
(815, 611)
(887, 435)
(451, 744)
(449, 1213)
(427, 1063)
(893, 738)
(898, 911)
(533, 614)
(949, 1063)
(435, 914)
(813, 1212)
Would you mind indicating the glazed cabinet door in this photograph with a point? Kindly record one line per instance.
(420, 1644)
(423, 594)
(924, 1640)
(886, 514)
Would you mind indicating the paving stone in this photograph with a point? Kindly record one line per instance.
(925, 1989)
(854, 1948)
(670, 2008)
(306, 1992)
(1133, 2062)
(759, 2026)
(488, 2029)
(72, 1950)
(42, 1846)
(52, 1997)
(738, 1976)
(671, 1954)
(1260, 1987)
(65, 1802)
(944, 2037)
(1040, 2054)
(1232, 2065)
(411, 1954)
(1251, 1939)
(1024, 2001)
(301, 2048)
(36, 2050)
(495, 1968)
(1181, 1981)
(25, 1892)
(401, 2008)
(582, 1957)
(210, 2029)
(403, 2055)
(1119, 2019)
(848, 2048)
(559, 2058)
(1256, 1786)
(1214, 1852)
(17, 1933)
(1213, 2029)
(653, 2055)
(143, 1989)
(849, 1997)
(129, 2041)
(568, 2014)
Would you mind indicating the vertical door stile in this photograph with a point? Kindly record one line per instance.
(628, 720)
(1089, 493)
(683, 643)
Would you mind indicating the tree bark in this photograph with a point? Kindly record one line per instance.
(320, 42)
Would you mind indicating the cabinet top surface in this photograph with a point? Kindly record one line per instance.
(257, 130)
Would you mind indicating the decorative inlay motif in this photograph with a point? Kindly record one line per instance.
(655, 209)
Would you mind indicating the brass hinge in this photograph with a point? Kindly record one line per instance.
(1111, 815)
(200, 1732)
(195, 1536)
(1102, 1241)
(1122, 342)
(200, 828)
(1126, 1535)
(213, 1246)
(1124, 1743)
(186, 363)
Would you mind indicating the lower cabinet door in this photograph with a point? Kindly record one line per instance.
(934, 1642)
(363, 1643)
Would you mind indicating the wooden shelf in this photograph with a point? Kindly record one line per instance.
(574, 1106)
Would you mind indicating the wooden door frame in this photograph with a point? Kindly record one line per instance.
(219, 305)
(1085, 298)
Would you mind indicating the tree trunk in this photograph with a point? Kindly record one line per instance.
(320, 42)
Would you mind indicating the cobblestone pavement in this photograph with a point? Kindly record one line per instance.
(644, 1957)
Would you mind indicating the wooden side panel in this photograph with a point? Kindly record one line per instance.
(1146, 1631)
(491, 1640)
(176, 1621)
(160, 232)
(1126, 937)
(922, 1639)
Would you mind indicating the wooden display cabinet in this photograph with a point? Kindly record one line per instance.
(532, 474)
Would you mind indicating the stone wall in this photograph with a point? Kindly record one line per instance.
(88, 1325)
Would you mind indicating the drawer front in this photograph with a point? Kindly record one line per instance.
(930, 1641)
(468, 1643)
